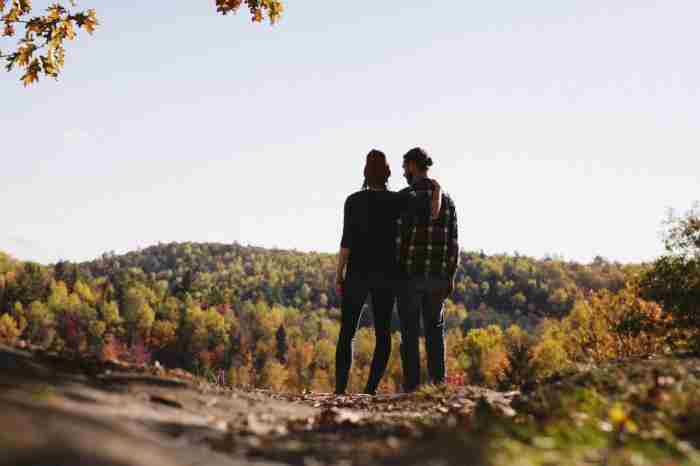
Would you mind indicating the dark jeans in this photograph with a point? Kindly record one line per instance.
(354, 295)
(425, 296)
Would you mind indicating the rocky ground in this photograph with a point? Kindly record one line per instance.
(58, 412)
(55, 412)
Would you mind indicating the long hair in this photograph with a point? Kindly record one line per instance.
(377, 170)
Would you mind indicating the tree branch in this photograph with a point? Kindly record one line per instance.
(61, 21)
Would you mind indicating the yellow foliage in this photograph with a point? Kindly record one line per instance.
(163, 333)
(146, 317)
(241, 376)
(110, 314)
(170, 310)
(393, 378)
(207, 328)
(322, 382)
(324, 354)
(274, 376)
(9, 332)
(455, 343)
(363, 347)
(21, 317)
(614, 325)
(358, 378)
(549, 355)
(299, 358)
(487, 357)
(58, 299)
(84, 292)
(638, 327)
(38, 315)
(617, 414)
(97, 328)
(589, 334)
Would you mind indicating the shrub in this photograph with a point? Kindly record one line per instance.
(518, 345)
(487, 356)
(674, 279)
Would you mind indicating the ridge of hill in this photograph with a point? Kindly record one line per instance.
(270, 318)
(511, 285)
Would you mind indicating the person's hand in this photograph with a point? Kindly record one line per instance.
(450, 287)
(436, 201)
(339, 285)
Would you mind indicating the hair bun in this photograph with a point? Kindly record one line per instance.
(420, 157)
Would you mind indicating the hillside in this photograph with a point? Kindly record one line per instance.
(270, 318)
(216, 273)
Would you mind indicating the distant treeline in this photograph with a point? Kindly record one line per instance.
(214, 274)
(270, 318)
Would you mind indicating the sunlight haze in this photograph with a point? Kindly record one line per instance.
(559, 127)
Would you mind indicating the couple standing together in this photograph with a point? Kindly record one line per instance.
(397, 247)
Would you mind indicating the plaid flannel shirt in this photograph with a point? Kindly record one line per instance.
(425, 247)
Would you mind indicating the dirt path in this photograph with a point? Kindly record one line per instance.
(56, 413)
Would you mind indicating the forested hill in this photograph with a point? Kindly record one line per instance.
(228, 273)
(269, 318)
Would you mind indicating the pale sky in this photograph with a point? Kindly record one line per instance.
(559, 126)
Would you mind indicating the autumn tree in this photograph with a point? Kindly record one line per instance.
(259, 315)
(274, 376)
(138, 314)
(518, 344)
(487, 355)
(549, 355)
(41, 35)
(282, 347)
(674, 279)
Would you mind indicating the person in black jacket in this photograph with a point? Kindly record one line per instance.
(368, 262)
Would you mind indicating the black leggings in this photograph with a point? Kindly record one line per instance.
(354, 296)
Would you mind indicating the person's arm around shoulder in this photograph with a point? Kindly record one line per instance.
(435, 200)
(424, 202)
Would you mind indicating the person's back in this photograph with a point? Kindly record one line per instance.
(367, 264)
(429, 254)
(428, 247)
(371, 228)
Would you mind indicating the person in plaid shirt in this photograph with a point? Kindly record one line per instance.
(428, 252)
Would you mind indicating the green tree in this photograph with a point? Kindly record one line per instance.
(138, 314)
(674, 279)
(39, 318)
(282, 347)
